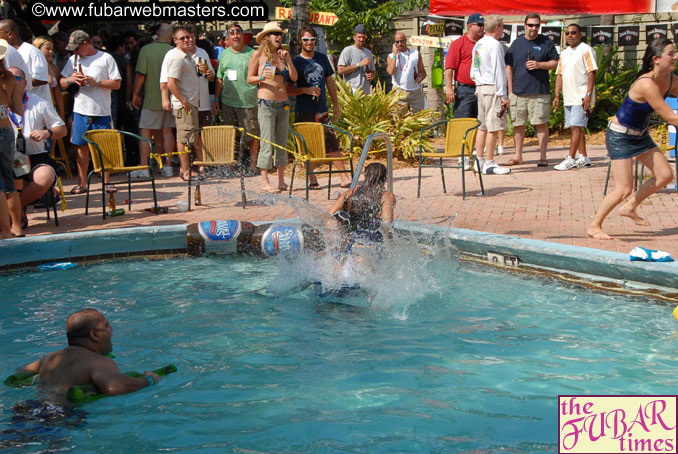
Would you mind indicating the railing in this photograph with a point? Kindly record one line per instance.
(363, 156)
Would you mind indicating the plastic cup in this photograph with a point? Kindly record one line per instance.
(182, 205)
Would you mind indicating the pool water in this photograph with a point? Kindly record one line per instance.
(442, 357)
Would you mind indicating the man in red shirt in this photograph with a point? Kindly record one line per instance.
(458, 68)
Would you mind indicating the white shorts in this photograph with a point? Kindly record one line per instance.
(156, 119)
(575, 116)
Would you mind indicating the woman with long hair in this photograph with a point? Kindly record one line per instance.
(10, 99)
(365, 208)
(271, 68)
(46, 46)
(627, 136)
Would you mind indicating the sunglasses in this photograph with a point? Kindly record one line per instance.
(308, 40)
(571, 33)
(184, 38)
(276, 33)
(235, 31)
(532, 25)
(398, 41)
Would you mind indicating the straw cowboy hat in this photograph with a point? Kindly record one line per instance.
(4, 47)
(271, 27)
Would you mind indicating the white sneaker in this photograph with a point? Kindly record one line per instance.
(567, 164)
(583, 161)
(467, 163)
(492, 168)
(167, 171)
(482, 163)
(500, 149)
(140, 174)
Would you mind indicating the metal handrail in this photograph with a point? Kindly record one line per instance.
(363, 156)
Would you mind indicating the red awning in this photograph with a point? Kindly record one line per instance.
(504, 7)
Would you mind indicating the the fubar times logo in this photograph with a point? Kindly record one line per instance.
(617, 424)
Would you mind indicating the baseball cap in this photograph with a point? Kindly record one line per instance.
(360, 28)
(77, 37)
(476, 18)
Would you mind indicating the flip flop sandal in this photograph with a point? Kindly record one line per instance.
(110, 188)
(78, 190)
(314, 187)
(513, 162)
(283, 188)
(543, 163)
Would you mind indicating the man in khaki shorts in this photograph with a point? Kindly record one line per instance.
(183, 82)
(238, 98)
(528, 62)
(488, 72)
(154, 119)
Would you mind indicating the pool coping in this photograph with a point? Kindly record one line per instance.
(504, 250)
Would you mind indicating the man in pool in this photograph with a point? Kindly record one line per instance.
(85, 360)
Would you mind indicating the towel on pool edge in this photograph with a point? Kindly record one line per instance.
(649, 255)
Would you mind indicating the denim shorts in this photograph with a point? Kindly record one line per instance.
(627, 146)
(575, 116)
(7, 150)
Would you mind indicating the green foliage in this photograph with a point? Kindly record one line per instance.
(613, 79)
(363, 115)
(377, 18)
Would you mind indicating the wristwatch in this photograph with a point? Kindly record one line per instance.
(49, 131)
(589, 94)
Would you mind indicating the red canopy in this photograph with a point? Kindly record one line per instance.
(504, 7)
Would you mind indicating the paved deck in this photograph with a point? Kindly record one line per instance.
(532, 202)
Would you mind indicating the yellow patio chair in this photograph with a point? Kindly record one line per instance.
(309, 138)
(460, 139)
(105, 146)
(62, 157)
(218, 149)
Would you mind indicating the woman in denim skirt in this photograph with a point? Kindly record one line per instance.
(627, 136)
(10, 99)
(271, 67)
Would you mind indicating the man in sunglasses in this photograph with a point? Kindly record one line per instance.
(314, 75)
(356, 63)
(407, 71)
(238, 99)
(528, 62)
(576, 76)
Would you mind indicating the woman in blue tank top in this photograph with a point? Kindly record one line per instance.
(627, 136)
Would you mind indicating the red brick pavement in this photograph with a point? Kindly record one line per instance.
(532, 202)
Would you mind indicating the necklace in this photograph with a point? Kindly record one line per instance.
(406, 60)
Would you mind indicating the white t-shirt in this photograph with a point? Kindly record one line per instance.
(178, 65)
(14, 58)
(488, 66)
(205, 103)
(407, 64)
(39, 114)
(93, 101)
(38, 69)
(574, 65)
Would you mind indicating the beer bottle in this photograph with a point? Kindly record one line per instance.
(437, 71)
(111, 201)
(118, 212)
(80, 68)
(273, 239)
(219, 237)
(199, 65)
(198, 199)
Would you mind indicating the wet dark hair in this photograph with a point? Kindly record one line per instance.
(654, 49)
(365, 202)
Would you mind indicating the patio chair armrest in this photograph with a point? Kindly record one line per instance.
(150, 145)
(421, 133)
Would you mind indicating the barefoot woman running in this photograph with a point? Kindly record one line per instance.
(627, 136)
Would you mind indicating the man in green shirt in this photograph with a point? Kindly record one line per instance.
(238, 98)
(154, 120)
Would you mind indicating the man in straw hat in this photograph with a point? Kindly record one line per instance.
(271, 67)
(356, 63)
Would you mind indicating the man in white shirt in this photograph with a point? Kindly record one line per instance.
(407, 71)
(34, 60)
(488, 72)
(39, 122)
(96, 73)
(576, 76)
(183, 83)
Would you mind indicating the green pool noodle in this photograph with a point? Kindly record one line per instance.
(89, 393)
(28, 378)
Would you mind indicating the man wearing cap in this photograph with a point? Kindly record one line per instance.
(154, 119)
(238, 99)
(96, 73)
(356, 63)
(458, 69)
(407, 71)
(528, 62)
(34, 60)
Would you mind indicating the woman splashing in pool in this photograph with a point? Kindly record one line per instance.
(627, 136)
(365, 209)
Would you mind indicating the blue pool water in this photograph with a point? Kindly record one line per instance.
(443, 358)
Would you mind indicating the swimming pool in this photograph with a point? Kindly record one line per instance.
(448, 357)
